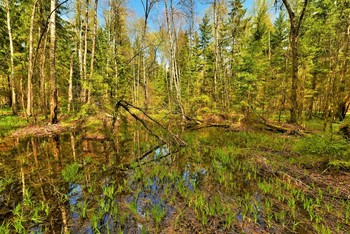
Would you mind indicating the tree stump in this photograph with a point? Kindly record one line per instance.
(344, 129)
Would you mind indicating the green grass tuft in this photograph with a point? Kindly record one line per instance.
(9, 122)
(71, 172)
(321, 145)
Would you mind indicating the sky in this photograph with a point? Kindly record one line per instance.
(135, 8)
(201, 6)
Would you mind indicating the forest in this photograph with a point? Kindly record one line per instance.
(174, 116)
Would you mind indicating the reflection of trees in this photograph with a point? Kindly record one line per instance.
(40, 162)
(72, 145)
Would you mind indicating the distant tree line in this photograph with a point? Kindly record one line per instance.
(287, 57)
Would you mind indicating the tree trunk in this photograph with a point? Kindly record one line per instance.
(85, 51)
(147, 6)
(342, 105)
(53, 88)
(312, 99)
(216, 47)
(79, 25)
(294, 34)
(12, 75)
(92, 53)
(295, 70)
(30, 64)
(43, 92)
(174, 74)
(70, 83)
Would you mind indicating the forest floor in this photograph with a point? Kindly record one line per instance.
(295, 167)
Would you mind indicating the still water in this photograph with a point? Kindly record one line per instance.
(131, 182)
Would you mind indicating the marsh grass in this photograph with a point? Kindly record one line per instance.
(322, 145)
(71, 173)
(9, 123)
(222, 181)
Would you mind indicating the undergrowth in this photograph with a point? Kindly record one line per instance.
(10, 122)
(328, 146)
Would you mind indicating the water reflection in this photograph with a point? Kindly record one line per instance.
(127, 183)
(81, 183)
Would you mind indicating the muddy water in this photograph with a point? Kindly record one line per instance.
(132, 183)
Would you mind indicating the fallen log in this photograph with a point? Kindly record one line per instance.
(288, 129)
(196, 124)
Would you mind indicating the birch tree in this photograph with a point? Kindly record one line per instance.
(12, 71)
(52, 57)
(30, 63)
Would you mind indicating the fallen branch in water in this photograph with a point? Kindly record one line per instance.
(124, 104)
(179, 142)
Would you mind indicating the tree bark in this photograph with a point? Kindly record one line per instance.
(147, 7)
(43, 78)
(84, 94)
(53, 88)
(12, 73)
(79, 25)
(70, 83)
(174, 74)
(216, 47)
(30, 64)
(92, 53)
(342, 105)
(295, 23)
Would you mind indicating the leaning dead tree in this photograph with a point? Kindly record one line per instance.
(131, 109)
(172, 142)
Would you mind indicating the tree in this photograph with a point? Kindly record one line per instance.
(173, 67)
(147, 7)
(295, 23)
(12, 73)
(207, 55)
(30, 63)
(52, 57)
(94, 32)
(279, 63)
(205, 32)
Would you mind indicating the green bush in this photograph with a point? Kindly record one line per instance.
(321, 145)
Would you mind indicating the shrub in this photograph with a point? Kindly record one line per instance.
(321, 145)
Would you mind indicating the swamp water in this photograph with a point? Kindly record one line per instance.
(220, 182)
